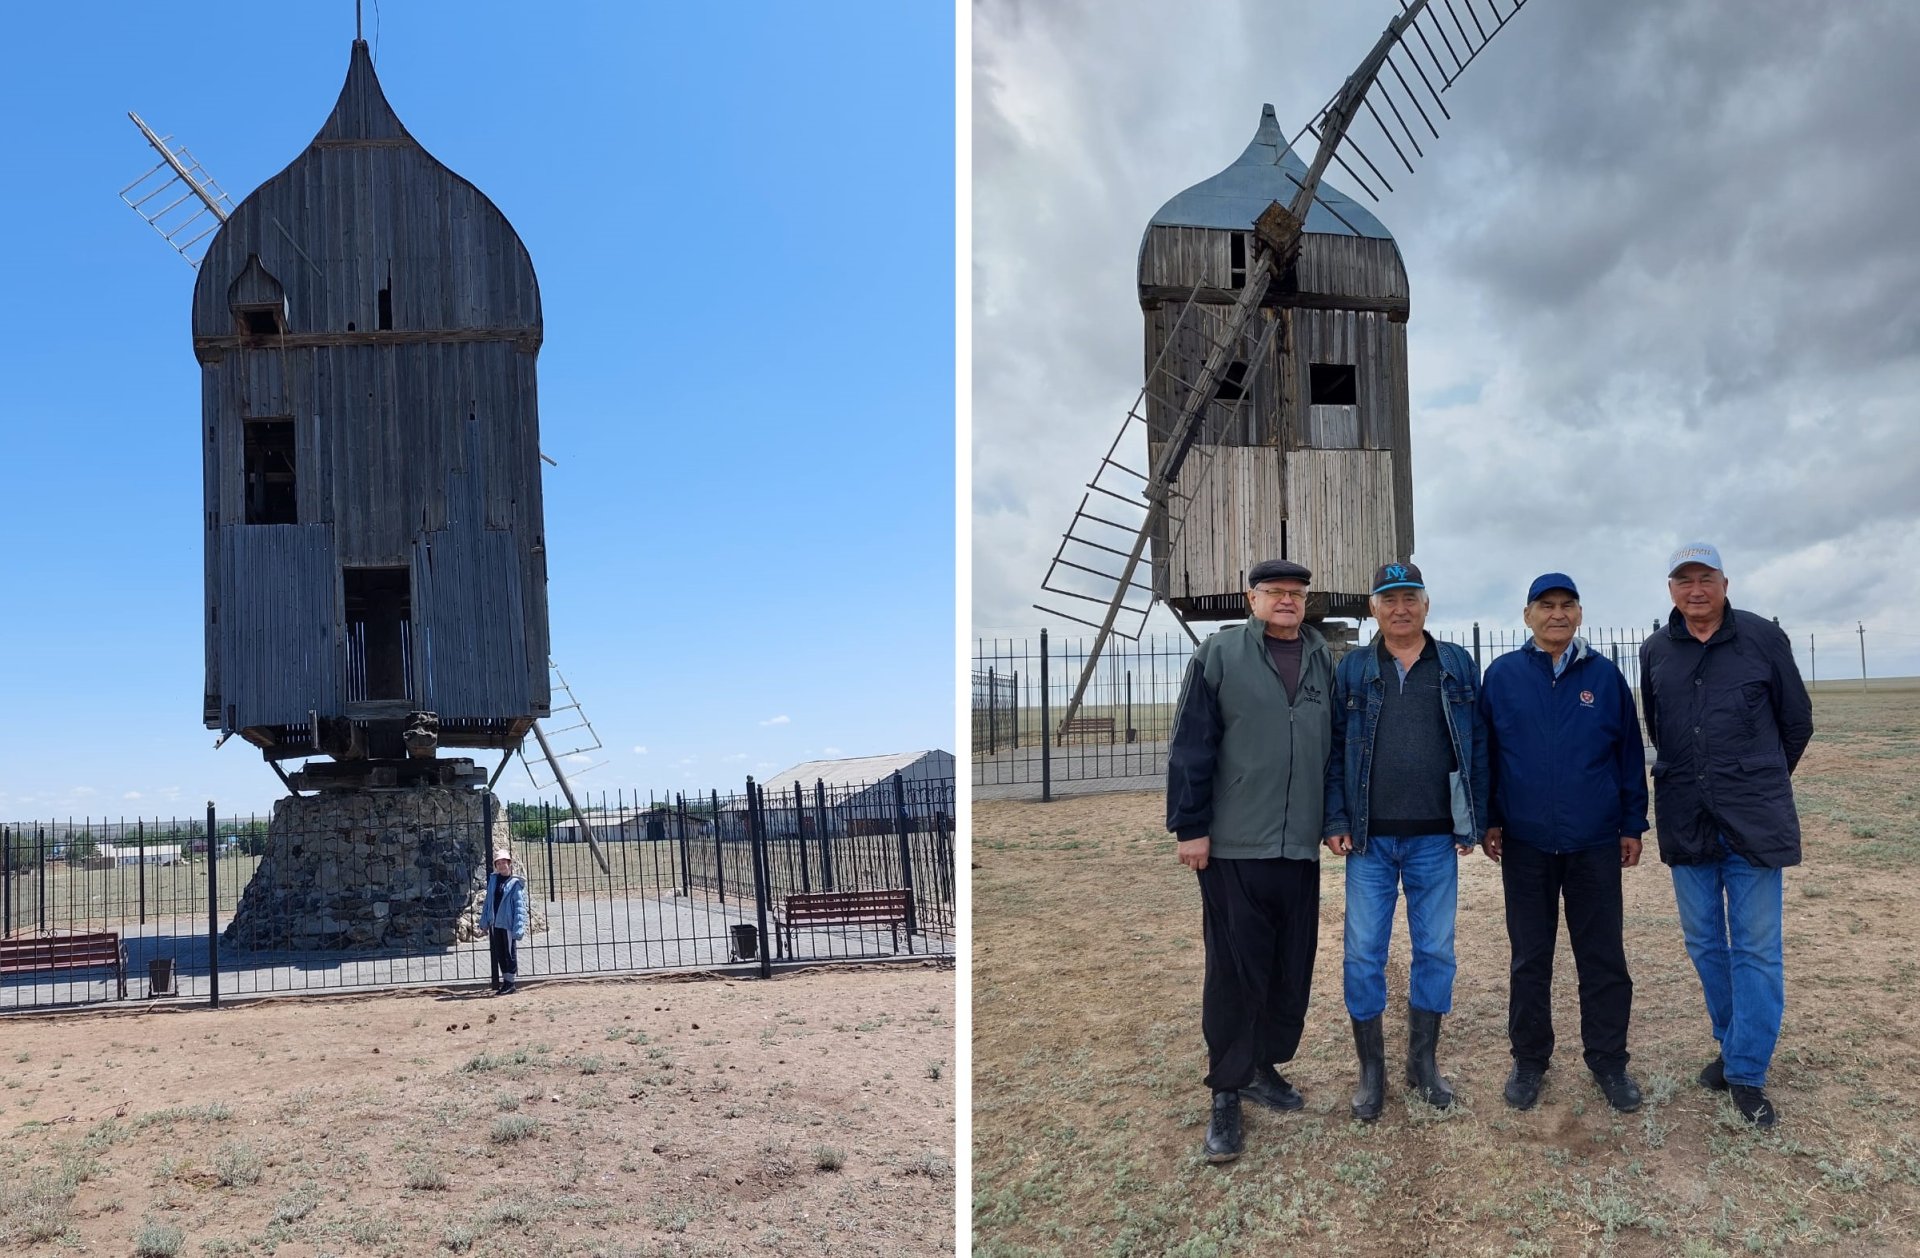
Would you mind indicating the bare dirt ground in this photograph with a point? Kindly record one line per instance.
(811, 1114)
(1088, 1106)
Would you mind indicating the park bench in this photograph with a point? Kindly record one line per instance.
(1087, 725)
(100, 950)
(841, 908)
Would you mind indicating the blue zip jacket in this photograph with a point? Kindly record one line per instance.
(1358, 693)
(1568, 769)
(512, 916)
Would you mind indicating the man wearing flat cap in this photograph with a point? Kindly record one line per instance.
(1245, 775)
(1406, 797)
(1729, 718)
(1567, 776)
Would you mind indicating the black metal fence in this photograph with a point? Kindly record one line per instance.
(750, 878)
(1024, 743)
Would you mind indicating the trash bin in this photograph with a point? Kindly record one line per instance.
(160, 976)
(746, 941)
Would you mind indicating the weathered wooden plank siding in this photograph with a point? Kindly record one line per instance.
(279, 612)
(1233, 514)
(383, 415)
(1345, 500)
(1343, 515)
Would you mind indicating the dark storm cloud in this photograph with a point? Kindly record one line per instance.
(1661, 265)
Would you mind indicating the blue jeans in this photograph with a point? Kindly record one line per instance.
(1429, 869)
(1730, 913)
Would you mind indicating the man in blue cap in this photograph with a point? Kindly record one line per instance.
(1406, 797)
(1568, 804)
(1729, 718)
(1246, 768)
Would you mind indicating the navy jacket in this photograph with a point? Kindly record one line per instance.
(1358, 693)
(1729, 719)
(1567, 767)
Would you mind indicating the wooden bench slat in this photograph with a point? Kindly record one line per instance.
(91, 951)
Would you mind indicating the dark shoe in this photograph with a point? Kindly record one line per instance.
(1372, 1049)
(506, 988)
(1423, 1040)
(1271, 1089)
(1714, 1075)
(1754, 1105)
(1622, 1092)
(1224, 1139)
(1523, 1085)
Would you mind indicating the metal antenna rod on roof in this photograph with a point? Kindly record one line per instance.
(356, 21)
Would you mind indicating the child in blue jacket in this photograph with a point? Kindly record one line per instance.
(503, 915)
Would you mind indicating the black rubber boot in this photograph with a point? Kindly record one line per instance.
(1423, 1039)
(1372, 1049)
(1224, 1138)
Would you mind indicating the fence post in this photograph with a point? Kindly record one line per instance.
(546, 839)
(993, 694)
(6, 879)
(901, 825)
(1046, 730)
(140, 848)
(1014, 690)
(1131, 732)
(686, 852)
(757, 837)
(213, 913)
(40, 876)
(822, 825)
(1476, 644)
(800, 834)
(719, 850)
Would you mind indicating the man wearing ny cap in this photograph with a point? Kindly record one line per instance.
(1729, 718)
(1406, 796)
(1567, 807)
(1245, 774)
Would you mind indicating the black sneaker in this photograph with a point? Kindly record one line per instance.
(1224, 1139)
(1754, 1105)
(1622, 1092)
(1714, 1074)
(1271, 1089)
(1523, 1086)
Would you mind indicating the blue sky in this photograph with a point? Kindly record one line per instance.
(742, 222)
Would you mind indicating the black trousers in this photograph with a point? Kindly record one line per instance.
(505, 958)
(1589, 882)
(1261, 919)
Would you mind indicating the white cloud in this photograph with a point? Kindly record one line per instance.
(778, 720)
(736, 758)
(831, 751)
(82, 792)
(131, 795)
(639, 751)
(580, 757)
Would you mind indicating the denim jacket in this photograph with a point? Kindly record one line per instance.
(1358, 694)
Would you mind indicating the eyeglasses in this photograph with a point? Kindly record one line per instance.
(1284, 596)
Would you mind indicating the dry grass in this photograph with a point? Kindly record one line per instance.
(605, 1118)
(1089, 1108)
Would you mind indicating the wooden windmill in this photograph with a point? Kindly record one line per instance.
(1275, 407)
(367, 324)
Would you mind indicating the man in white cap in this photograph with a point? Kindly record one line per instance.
(1728, 717)
(503, 915)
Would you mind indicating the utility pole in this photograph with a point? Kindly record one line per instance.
(1813, 660)
(1861, 629)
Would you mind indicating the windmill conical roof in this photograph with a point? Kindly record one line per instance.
(1268, 171)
